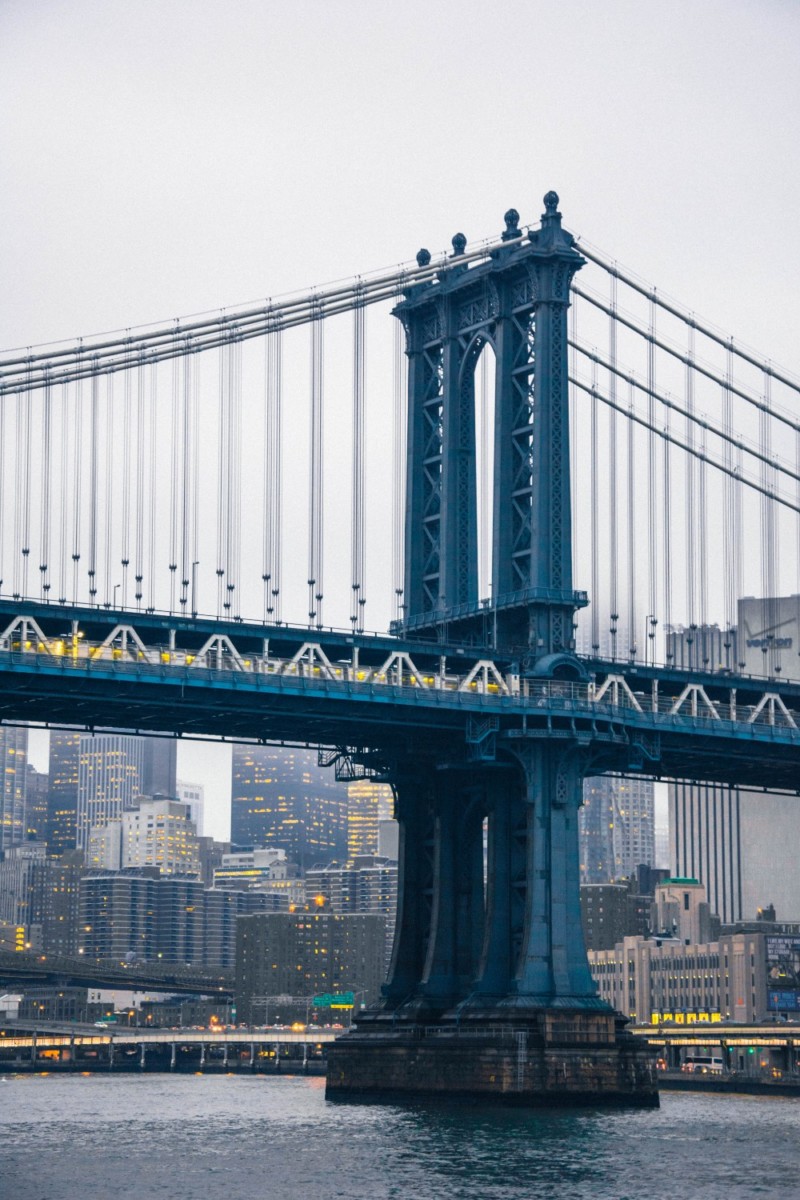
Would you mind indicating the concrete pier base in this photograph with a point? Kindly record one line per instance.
(555, 1059)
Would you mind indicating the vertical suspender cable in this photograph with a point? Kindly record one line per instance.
(110, 593)
(93, 485)
(315, 588)
(152, 486)
(195, 426)
(126, 482)
(266, 492)
(237, 487)
(487, 507)
(232, 491)
(3, 476)
(631, 515)
(691, 473)
(574, 425)
(358, 599)
(593, 482)
(272, 482)
(77, 425)
(140, 501)
(63, 506)
(175, 481)
(728, 505)
(26, 509)
(398, 470)
(612, 470)
(768, 541)
(19, 461)
(702, 530)
(652, 496)
(44, 537)
(667, 534)
(187, 459)
(222, 433)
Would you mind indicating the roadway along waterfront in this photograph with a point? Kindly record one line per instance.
(122, 1048)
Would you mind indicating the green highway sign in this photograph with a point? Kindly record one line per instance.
(337, 1000)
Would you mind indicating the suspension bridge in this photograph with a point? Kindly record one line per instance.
(202, 520)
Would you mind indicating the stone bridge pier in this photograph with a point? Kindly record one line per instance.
(489, 992)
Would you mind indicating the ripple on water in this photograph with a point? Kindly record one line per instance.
(186, 1137)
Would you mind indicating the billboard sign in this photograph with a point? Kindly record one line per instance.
(783, 973)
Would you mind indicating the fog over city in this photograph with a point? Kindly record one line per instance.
(168, 159)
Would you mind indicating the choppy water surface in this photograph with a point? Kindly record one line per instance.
(192, 1137)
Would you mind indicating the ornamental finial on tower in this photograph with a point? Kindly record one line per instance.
(551, 204)
(512, 229)
(423, 257)
(459, 245)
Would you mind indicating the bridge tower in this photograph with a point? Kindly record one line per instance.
(489, 990)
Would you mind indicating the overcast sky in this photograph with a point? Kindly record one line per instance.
(165, 157)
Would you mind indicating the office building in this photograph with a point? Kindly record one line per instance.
(110, 769)
(268, 871)
(95, 777)
(193, 796)
(159, 833)
(138, 916)
(616, 826)
(365, 884)
(306, 953)
(611, 912)
(744, 847)
(744, 976)
(159, 766)
(681, 910)
(281, 798)
(596, 830)
(211, 853)
(634, 825)
(40, 895)
(368, 803)
(13, 780)
(62, 796)
(36, 790)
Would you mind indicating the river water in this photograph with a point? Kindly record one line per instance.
(102, 1137)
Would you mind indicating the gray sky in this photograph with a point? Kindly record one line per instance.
(163, 158)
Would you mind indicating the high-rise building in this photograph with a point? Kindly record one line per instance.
(36, 789)
(41, 895)
(281, 797)
(744, 847)
(366, 884)
(616, 827)
(159, 833)
(95, 777)
(119, 916)
(193, 796)
(368, 803)
(159, 767)
(134, 915)
(596, 830)
(110, 770)
(634, 825)
(305, 953)
(62, 796)
(13, 780)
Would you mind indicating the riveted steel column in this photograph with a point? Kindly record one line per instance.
(459, 545)
(553, 966)
(414, 885)
(415, 481)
